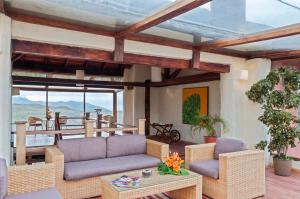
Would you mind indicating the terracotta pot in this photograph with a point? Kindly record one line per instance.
(282, 167)
(210, 139)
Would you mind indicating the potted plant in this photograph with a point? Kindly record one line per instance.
(208, 123)
(276, 105)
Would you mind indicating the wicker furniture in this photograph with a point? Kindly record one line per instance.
(35, 122)
(241, 174)
(29, 181)
(181, 187)
(91, 186)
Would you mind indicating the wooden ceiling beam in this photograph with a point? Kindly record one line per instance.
(177, 8)
(153, 39)
(250, 38)
(174, 74)
(195, 58)
(274, 54)
(119, 50)
(71, 82)
(62, 90)
(205, 77)
(68, 52)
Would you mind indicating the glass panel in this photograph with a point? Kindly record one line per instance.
(111, 13)
(233, 18)
(285, 43)
(68, 104)
(104, 101)
(29, 104)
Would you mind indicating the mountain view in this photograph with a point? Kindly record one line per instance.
(24, 108)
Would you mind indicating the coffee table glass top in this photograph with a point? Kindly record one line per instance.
(152, 180)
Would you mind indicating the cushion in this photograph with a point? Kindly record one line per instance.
(208, 168)
(227, 145)
(3, 178)
(126, 145)
(100, 167)
(50, 193)
(81, 149)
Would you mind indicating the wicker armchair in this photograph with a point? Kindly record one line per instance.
(28, 181)
(241, 174)
(90, 187)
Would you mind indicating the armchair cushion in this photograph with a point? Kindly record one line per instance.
(3, 178)
(208, 168)
(228, 145)
(126, 145)
(93, 168)
(81, 149)
(50, 193)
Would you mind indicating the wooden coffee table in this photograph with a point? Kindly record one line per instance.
(178, 187)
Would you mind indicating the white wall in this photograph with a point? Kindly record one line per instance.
(169, 102)
(5, 86)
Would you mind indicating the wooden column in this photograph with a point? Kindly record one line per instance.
(115, 106)
(142, 126)
(119, 50)
(20, 143)
(89, 128)
(57, 124)
(147, 107)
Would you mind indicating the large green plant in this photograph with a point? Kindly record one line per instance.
(191, 109)
(207, 123)
(276, 105)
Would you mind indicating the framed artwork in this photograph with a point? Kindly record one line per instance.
(194, 103)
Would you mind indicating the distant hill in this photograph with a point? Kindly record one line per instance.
(73, 105)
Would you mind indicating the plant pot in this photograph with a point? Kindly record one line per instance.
(282, 167)
(210, 139)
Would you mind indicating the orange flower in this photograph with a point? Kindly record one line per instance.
(174, 162)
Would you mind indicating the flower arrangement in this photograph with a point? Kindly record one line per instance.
(173, 165)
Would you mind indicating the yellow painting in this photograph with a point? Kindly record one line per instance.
(195, 102)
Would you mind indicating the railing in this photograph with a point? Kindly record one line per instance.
(89, 131)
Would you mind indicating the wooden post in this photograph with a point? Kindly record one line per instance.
(57, 125)
(99, 123)
(20, 143)
(142, 126)
(89, 128)
(147, 107)
(115, 108)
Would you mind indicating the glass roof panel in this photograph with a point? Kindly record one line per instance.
(115, 14)
(284, 43)
(232, 18)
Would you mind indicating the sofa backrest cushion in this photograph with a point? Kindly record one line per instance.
(3, 178)
(81, 149)
(126, 145)
(228, 145)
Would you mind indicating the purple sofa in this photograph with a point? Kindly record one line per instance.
(90, 157)
(46, 193)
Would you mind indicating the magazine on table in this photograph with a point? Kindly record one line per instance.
(127, 182)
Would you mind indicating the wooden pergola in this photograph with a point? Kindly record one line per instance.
(55, 58)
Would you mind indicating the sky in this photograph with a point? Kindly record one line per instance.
(97, 99)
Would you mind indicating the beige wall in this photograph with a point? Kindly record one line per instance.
(5, 86)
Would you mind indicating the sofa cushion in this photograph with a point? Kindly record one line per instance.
(126, 145)
(50, 193)
(81, 149)
(227, 145)
(3, 178)
(92, 168)
(208, 168)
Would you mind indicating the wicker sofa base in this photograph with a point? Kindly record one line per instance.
(78, 189)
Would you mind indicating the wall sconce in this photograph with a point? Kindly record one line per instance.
(244, 75)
